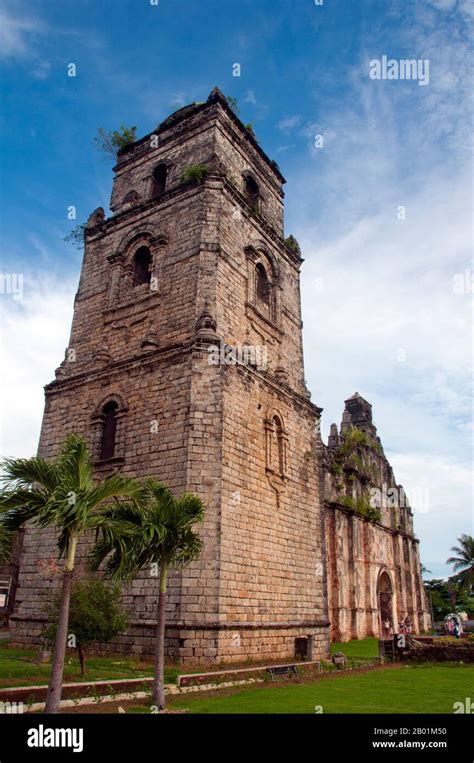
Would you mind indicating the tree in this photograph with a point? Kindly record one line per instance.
(111, 143)
(61, 494)
(447, 597)
(76, 236)
(156, 533)
(96, 615)
(6, 540)
(464, 561)
(233, 104)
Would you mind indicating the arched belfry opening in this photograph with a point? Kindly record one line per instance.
(142, 266)
(252, 192)
(160, 176)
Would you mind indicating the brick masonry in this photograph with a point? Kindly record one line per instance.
(373, 566)
(242, 434)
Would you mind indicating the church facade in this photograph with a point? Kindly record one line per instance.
(185, 362)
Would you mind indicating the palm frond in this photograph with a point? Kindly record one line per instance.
(116, 486)
(22, 498)
(23, 473)
(190, 508)
(457, 562)
(75, 463)
(6, 540)
(15, 518)
(156, 528)
(465, 553)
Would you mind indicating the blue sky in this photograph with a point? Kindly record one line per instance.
(380, 312)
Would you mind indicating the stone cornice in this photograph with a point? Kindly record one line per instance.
(202, 111)
(141, 360)
(239, 625)
(100, 232)
(335, 506)
(203, 625)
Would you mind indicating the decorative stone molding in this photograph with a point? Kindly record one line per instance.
(276, 446)
(102, 358)
(150, 340)
(206, 328)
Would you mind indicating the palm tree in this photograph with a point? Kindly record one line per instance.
(464, 561)
(61, 494)
(6, 540)
(158, 531)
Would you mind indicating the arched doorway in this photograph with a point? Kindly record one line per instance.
(385, 600)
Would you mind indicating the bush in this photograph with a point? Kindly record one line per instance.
(111, 143)
(76, 236)
(95, 615)
(292, 244)
(362, 507)
(195, 173)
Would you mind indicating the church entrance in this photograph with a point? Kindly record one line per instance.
(384, 595)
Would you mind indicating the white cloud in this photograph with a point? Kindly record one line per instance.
(285, 125)
(449, 513)
(373, 284)
(42, 70)
(35, 332)
(17, 33)
(443, 5)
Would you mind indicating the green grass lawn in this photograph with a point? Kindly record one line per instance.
(367, 647)
(407, 689)
(399, 689)
(18, 669)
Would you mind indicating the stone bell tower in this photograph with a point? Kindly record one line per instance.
(185, 362)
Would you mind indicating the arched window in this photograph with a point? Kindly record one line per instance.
(141, 266)
(251, 193)
(107, 443)
(384, 593)
(262, 284)
(159, 179)
(278, 453)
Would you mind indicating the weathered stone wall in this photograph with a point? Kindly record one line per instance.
(361, 549)
(286, 548)
(241, 435)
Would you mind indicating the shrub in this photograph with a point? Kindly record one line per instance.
(362, 507)
(95, 615)
(195, 173)
(76, 236)
(292, 244)
(111, 143)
